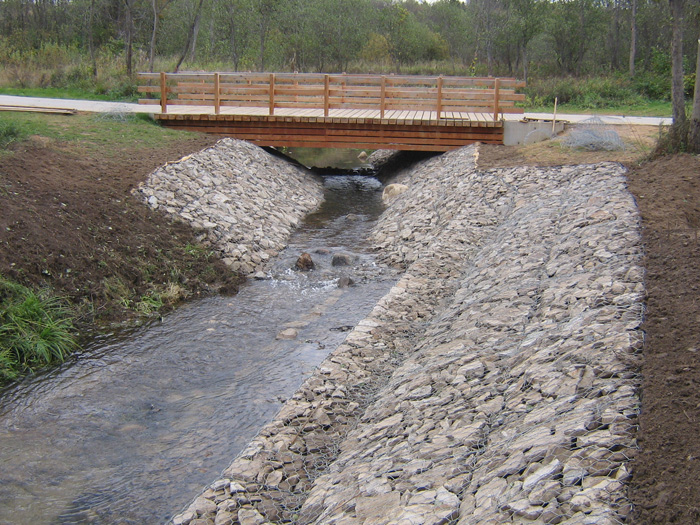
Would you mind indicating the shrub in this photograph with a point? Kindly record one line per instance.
(595, 92)
(35, 330)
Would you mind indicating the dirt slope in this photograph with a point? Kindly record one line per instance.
(69, 222)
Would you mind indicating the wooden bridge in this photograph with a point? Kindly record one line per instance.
(336, 111)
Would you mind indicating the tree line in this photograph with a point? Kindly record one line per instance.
(507, 37)
(544, 38)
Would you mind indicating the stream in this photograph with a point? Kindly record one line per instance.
(135, 426)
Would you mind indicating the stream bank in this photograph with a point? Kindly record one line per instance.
(141, 419)
(496, 381)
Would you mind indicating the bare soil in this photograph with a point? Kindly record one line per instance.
(70, 223)
(665, 474)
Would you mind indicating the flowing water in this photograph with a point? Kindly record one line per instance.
(134, 427)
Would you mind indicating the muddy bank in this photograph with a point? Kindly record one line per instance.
(495, 381)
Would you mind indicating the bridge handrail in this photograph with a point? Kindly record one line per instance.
(440, 94)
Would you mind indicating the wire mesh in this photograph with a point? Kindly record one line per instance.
(593, 135)
(495, 383)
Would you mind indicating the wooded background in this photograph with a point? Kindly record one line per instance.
(523, 38)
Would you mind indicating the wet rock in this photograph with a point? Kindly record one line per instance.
(288, 334)
(344, 282)
(342, 259)
(304, 263)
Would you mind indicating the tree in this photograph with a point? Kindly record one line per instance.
(633, 38)
(451, 20)
(191, 36)
(677, 91)
(239, 21)
(266, 11)
(526, 23)
(488, 14)
(158, 7)
(129, 30)
(571, 27)
(694, 133)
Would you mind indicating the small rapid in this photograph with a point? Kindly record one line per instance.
(132, 428)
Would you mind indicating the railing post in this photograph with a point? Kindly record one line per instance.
(272, 94)
(344, 85)
(163, 93)
(382, 99)
(326, 95)
(439, 96)
(496, 102)
(217, 94)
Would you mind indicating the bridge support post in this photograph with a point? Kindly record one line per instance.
(439, 96)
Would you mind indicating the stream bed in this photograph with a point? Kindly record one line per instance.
(134, 427)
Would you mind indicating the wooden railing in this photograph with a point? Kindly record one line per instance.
(442, 95)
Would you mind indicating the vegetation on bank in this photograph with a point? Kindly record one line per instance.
(36, 330)
(77, 251)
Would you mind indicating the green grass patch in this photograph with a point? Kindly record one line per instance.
(103, 132)
(648, 109)
(35, 330)
(10, 132)
(645, 95)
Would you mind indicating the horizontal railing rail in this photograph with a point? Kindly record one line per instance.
(327, 92)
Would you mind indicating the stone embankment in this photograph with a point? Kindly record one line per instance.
(495, 383)
(245, 200)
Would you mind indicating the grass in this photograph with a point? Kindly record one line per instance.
(94, 132)
(9, 132)
(35, 330)
(647, 109)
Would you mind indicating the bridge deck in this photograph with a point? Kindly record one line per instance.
(343, 111)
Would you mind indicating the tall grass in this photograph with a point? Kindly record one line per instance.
(35, 330)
